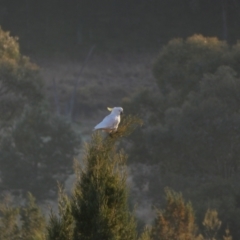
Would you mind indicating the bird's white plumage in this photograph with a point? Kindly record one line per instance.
(110, 122)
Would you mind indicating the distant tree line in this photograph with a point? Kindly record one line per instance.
(191, 131)
(98, 207)
(58, 25)
(36, 147)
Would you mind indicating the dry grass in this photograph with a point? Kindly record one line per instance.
(105, 80)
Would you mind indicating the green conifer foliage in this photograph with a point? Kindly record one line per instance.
(33, 221)
(100, 206)
(176, 221)
(9, 229)
(26, 222)
(61, 227)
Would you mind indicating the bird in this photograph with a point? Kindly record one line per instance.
(110, 123)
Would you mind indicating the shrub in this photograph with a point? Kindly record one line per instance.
(176, 221)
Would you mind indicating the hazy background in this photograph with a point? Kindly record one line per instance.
(126, 37)
(56, 26)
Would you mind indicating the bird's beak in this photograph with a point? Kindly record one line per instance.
(121, 113)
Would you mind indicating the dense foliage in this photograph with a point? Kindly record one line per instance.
(182, 63)
(192, 124)
(195, 111)
(20, 83)
(36, 147)
(98, 207)
(176, 221)
(191, 131)
(21, 222)
(37, 153)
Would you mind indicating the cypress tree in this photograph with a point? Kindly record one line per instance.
(61, 227)
(99, 205)
(25, 222)
(32, 221)
(9, 229)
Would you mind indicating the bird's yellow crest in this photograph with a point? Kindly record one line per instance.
(109, 109)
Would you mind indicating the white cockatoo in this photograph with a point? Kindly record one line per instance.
(110, 122)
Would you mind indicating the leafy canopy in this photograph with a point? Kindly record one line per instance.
(20, 82)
